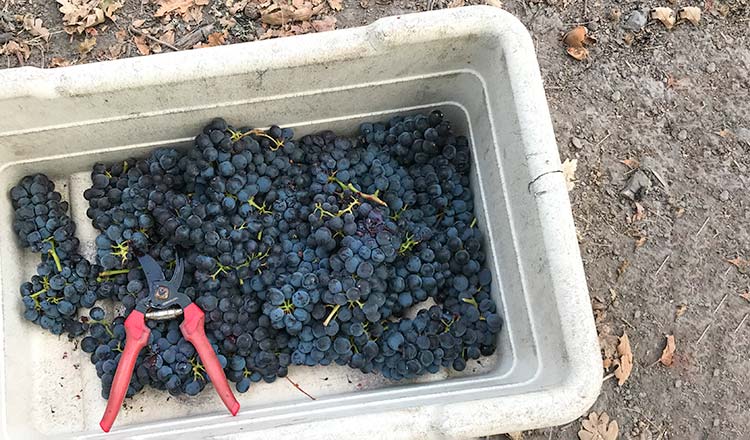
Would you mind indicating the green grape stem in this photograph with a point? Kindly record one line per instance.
(53, 253)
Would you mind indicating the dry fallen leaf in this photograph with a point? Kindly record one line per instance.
(575, 39)
(167, 6)
(34, 26)
(141, 45)
(691, 14)
(168, 37)
(110, 7)
(664, 15)
(215, 39)
(723, 133)
(681, 309)
(20, 50)
(569, 172)
(640, 212)
(235, 8)
(622, 267)
(86, 46)
(58, 62)
(336, 5)
(188, 9)
(277, 15)
(631, 163)
(79, 15)
(607, 339)
(740, 263)
(668, 354)
(518, 435)
(640, 242)
(456, 3)
(625, 366)
(137, 23)
(672, 82)
(745, 296)
(327, 23)
(628, 38)
(598, 427)
(495, 3)
(723, 9)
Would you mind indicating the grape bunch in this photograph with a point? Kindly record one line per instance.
(309, 251)
(64, 280)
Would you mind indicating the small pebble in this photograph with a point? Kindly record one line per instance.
(717, 422)
(682, 135)
(635, 21)
(637, 314)
(716, 372)
(577, 143)
(678, 383)
(724, 196)
(616, 96)
(711, 67)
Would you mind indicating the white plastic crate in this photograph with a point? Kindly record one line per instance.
(475, 63)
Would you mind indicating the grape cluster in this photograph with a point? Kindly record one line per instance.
(64, 280)
(305, 251)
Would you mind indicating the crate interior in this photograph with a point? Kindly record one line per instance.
(60, 381)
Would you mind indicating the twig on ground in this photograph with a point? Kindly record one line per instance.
(152, 38)
(627, 323)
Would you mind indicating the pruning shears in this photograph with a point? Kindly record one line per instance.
(159, 305)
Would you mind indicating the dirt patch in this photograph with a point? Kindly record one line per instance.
(672, 103)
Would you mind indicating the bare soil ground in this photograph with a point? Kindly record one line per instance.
(674, 102)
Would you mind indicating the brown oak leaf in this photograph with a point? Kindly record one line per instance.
(741, 264)
(34, 26)
(20, 50)
(142, 45)
(625, 363)
(598, 427)
(78, 15)
(86, 46)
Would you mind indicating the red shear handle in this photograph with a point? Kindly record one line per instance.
(136, 337)
(193, 329)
